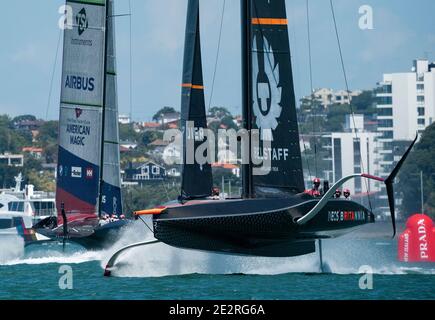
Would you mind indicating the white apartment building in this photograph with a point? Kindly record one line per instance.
(406, 105)
(353, 151)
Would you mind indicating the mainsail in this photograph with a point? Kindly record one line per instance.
(273, 99)
(196, 178)
(86, 77)
(111, 179)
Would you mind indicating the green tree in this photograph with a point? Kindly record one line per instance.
(26, 117)
(48, 133)
(12, 140)
(127, 133)
(48, 140)
(365, 102)
(149, 195)
(150, 136)
(220, 112)
(420, 160)
(7, 175)
(163, 111)
(336, 117)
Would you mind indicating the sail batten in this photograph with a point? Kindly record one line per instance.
(196, 179)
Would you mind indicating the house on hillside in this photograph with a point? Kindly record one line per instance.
(12, 160)
(150, 126)
(144, 172)
(167, 118)
(33, 151)
(129, 145)
(234, 169)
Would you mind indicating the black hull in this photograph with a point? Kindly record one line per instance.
(259, 227)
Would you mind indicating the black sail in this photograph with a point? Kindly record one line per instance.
(273, 100)
(196, 178)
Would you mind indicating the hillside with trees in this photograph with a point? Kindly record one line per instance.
(422, 159)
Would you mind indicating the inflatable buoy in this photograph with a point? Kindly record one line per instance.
(417, 242)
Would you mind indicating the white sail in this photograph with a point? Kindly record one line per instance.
(81, 109)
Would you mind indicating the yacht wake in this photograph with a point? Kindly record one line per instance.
(340, 257)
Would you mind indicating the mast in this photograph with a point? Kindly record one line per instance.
(245, 9)
(111, 198)
(101, 181)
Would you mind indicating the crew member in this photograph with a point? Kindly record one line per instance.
(346, 193)
(337, 194)
(215, 193)
(315, 191)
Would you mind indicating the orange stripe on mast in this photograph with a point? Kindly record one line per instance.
(193, 86)
(269, 21)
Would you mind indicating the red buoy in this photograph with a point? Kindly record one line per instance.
(417, 242)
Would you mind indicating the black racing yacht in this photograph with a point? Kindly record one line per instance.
(274, 217)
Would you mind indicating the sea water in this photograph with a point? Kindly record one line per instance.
(352, 269)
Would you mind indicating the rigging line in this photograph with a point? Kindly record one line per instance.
(131, 62)
(294, 58)
(311, 84)
(52, 75)
(217, 56)
(166, 191)
(121, 15)
(146, 224)
(349, 96)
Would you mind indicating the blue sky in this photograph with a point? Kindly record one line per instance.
(403, 30)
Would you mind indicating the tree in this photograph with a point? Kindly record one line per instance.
(220, 112)
(48, 133)
(7, 175)
(150, 136)
(163, 111)
(149, 195)
(420, 160)
(26, 117)
(365, 102)
(336, 117)
(12, 140)
(127, 133)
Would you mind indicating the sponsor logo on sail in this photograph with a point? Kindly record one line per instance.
(78, 112)
(76, 172)
(89, 173)
(82, 21)
(80, 83)
(267, 91)
(78, 133)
